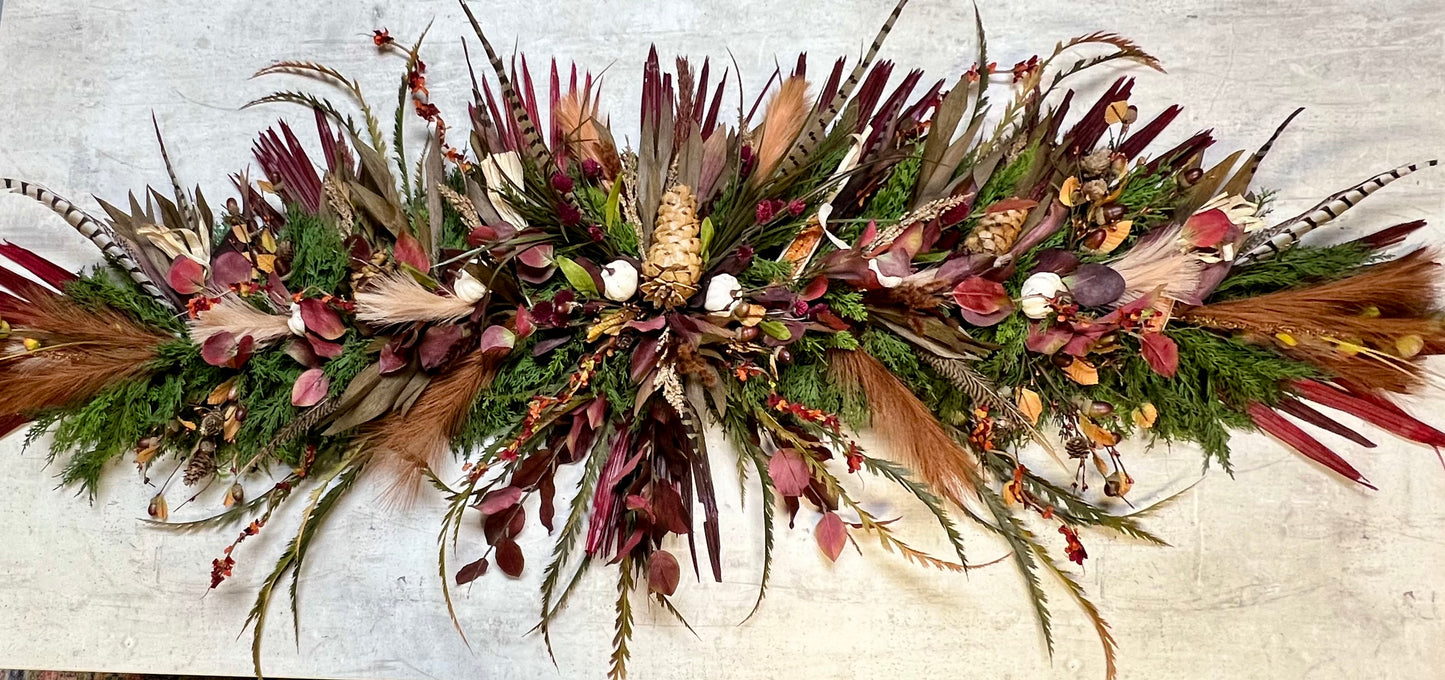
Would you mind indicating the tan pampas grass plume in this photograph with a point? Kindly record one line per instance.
(399, 299)
(81, 353)
(239, 318)
(587, 133)
(782, 122)
(1367, 328)
(906, 424)
(405, 445)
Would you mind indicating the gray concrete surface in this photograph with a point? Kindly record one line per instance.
(1280, 572)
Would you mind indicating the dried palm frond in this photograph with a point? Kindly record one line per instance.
(408, 443)
(399, 298)
(906, 424)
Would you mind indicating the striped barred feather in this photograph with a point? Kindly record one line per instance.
(1285, 235)
(98, 232)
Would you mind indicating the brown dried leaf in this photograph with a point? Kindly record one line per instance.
(1030, 405)
(509, 557)
(1097, 434)
(1082, 372)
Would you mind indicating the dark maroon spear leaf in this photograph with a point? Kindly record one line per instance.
(1161, 353)
(471, 572)
(663, 573)
(789, 472)
(186, 276)
(831, 535)
(321, 320)
(310, 388)
(509, 557)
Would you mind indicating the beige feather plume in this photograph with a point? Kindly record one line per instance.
(782, 122)
(239, 318)
(587, 133)
(399, 298)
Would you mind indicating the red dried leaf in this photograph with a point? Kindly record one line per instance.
(390, 361)
(498, 340)
(471, 572)
(408, 251)
(321, 319)
(310, 388)
(186, 276)
(509, 557)
(323, 348)
(219, 349)
(524, 323)
(437, 344)
(789, 472)
(668, 510)
(663, 573)
(815, 289)
(1161, 353)
(505, 524)
(499, 500)
(230, 268)
(1207, 229)
(1296, 438)
(980, 296)
(831, 535)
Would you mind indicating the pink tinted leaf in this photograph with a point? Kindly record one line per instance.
(410, 252)
(870, 232)
(499, 500)
(831, 535)
(980, 296)
(815, 289)
(310, 388)
(789, 472)
(219, 349)
(471, 572)
(321, 319)
(391, 360)
(1047, 341)
(1207, 229)
(663, 573)
(537, 257)
(323, 348)
(186, 276)
(1161, 353)
(437, 344)
(244, 347)
(509, 557)
(230, 268)
(498, 340)
(303, 354)
(525, 325)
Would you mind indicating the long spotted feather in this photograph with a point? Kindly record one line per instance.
(535, 147)
(813, 131)
(98, 232)
(1286, 234)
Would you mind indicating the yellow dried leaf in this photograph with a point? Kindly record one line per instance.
(239, 231)
(222, 393)
(1145, 415)
(1114, 235)
(1287, 339)
(268, 242)
(1097, 434)
(1349, 349)
(1082, 372)
(1409, 345)
(1069, 192)
(1117, 112)
(1100, 465)
(1370, 312)
(1030, 405)
(266, 263)
(231, 429)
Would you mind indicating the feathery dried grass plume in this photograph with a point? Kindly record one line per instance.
(906, 424)
(81, 352)
(407, 444)
(586, 132)
(399, 298)
(1159, 263)
(1365, 328)
(782, 122)
(233, 315)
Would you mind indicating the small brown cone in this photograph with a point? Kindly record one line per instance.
(674, 262)
(996, 231)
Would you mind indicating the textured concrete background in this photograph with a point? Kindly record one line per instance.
(1281, 572)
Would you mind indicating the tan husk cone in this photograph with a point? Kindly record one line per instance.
(996, 232)
(674, 262)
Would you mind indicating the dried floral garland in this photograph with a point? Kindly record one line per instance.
(843, 254)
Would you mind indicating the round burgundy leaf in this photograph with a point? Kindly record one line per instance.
(471, 572)
(230, 268)
(186, 276)
(219, 349)
(321, 319)
(663, 573)
(831, 535)
(1094, 285)
(789, 472)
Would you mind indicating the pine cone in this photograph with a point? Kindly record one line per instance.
(674, 262)
(202, 465)
(996, 231)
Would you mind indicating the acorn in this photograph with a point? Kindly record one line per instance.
(1101, 409)
(1113, 212)
(1190, 177)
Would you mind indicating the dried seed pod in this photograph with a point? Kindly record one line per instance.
(234, 495)
(1078, 447)
(158, 509)
(1118, 484)
(674, 261)
(1097, 162)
